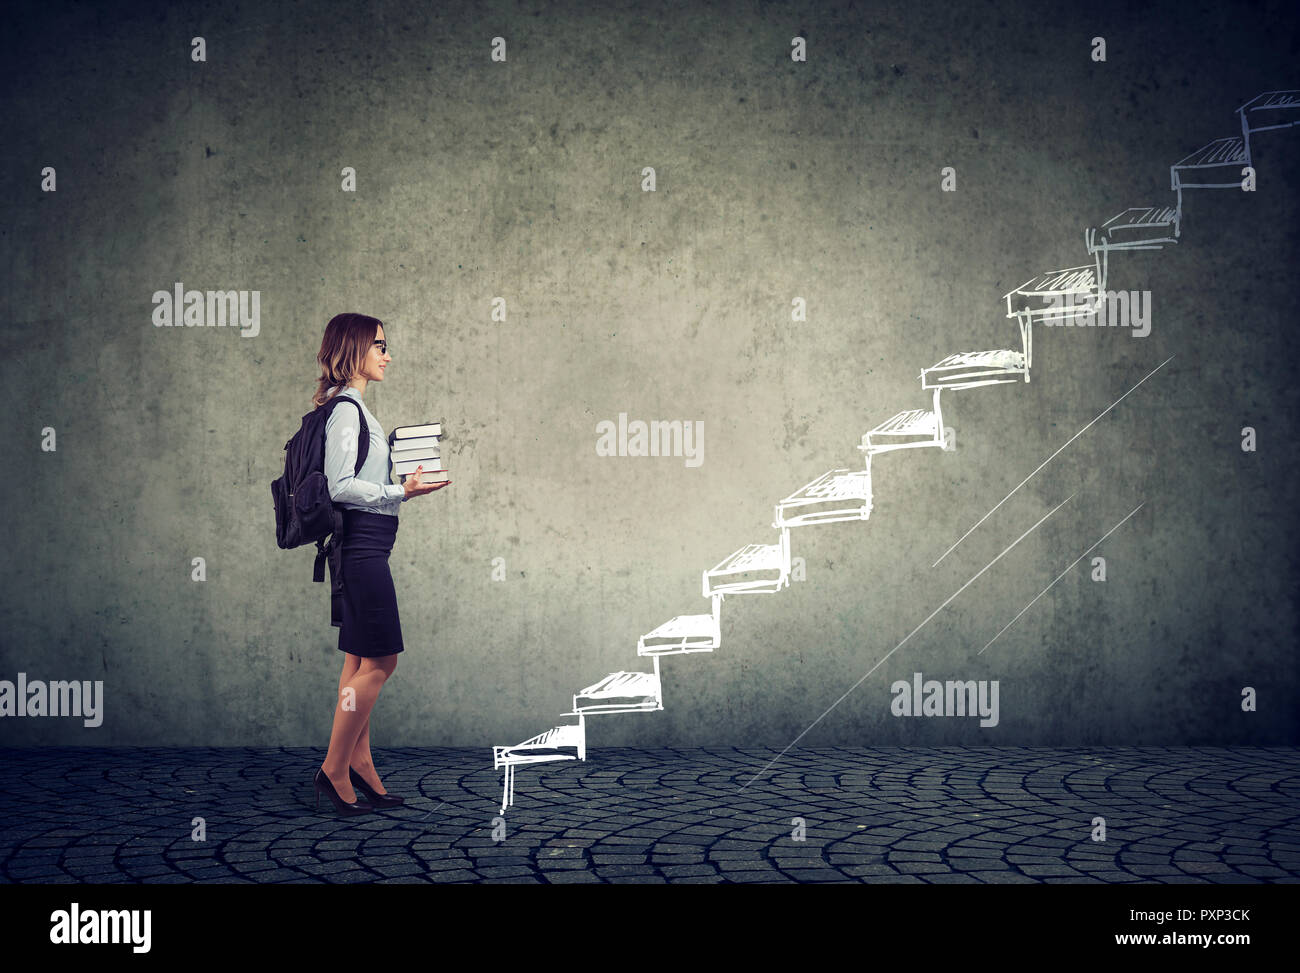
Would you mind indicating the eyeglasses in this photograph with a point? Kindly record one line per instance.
(383, 347)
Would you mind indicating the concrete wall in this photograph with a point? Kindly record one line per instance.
(775, 180)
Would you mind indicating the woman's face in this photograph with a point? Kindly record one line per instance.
(372, 369)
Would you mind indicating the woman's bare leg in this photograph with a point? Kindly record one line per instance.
(363, 763)
(364, 684)
(351, 663)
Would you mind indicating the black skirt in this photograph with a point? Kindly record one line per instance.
(370, 625)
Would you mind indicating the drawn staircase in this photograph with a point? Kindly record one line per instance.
(844, 494)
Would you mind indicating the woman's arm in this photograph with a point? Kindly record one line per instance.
(342, 430)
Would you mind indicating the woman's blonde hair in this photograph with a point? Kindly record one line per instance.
(348, 339)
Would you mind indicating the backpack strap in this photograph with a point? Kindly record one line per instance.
(363, 440)
(336, 570)
(322, 552)
(333, 549)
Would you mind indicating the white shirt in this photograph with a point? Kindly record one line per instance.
(370, 489)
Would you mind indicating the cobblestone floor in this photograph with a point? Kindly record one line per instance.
(991, 815)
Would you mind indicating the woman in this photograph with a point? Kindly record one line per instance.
(354, 353)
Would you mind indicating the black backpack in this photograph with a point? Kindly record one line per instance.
(304, 511)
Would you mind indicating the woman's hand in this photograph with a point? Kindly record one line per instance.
(414, 488)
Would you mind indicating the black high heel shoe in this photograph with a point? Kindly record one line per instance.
(322, 783)
(373, 796)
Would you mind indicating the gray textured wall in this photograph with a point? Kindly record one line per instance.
(521, 180)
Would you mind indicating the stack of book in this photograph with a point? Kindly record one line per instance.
(412, 446)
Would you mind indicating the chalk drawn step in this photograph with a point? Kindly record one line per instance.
(683, 634)
(971, 369)
(912, 429)
(754, 569)
(620, 692)
(1137, 228)
(1214, 166)
(539, 749)
(836, 495)
(1053, 295)
(1267, 111)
